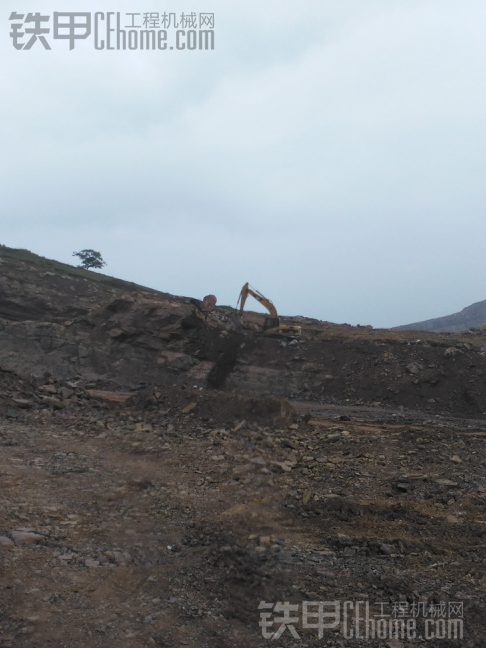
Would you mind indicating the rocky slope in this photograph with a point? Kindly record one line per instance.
(93, 328)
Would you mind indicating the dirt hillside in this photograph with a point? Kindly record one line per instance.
(76, 324)
(169, 476)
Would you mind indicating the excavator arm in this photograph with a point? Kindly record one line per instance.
(246, 290)
(272, 325)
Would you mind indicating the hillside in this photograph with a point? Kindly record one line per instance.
(471, 317)
(76, 324)
(165, 469)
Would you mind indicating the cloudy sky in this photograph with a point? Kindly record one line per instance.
(330, 153)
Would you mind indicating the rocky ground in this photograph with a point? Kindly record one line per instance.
(166, 519)
(164, 472)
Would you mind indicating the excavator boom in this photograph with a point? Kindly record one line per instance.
(246, 290)
(272, 324)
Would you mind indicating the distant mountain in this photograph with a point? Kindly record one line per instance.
(473, 316)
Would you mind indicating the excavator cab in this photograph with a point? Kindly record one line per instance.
(271, 322)
(272, 326)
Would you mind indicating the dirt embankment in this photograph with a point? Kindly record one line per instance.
(95, 328)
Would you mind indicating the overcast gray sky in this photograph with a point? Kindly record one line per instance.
(330, 152)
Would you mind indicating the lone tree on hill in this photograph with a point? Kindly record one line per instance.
(90, 259)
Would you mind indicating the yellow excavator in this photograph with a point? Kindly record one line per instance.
(272, 324)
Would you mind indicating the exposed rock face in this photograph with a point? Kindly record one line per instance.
(129, 341)
(70, 322)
